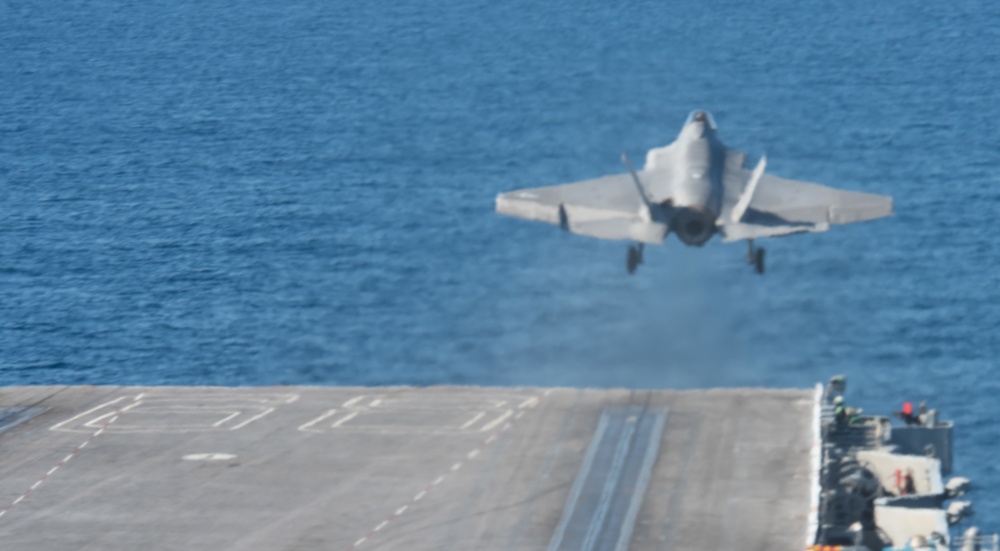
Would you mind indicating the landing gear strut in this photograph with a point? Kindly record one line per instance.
(755, 257)
(633, 258)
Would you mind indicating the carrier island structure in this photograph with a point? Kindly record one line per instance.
(114, 468)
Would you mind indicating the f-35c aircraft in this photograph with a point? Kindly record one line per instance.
(695, 187)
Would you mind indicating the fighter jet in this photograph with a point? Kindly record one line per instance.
(696, 187)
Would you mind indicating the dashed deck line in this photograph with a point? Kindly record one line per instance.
(135, 402)
(510, 419)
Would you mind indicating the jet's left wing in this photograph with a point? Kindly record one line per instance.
(778, 206)
(606, 208)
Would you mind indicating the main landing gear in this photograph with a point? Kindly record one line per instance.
(755, 257)
(633, 258)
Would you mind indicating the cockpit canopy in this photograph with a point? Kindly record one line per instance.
(701, 116)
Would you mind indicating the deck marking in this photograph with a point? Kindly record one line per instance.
(228, 418)
(252, 419)
(308, 425)
(472, 421)
(815, 464)
(528, 403)
(208, 457)
(493, 424)
(135, 402)
(344, 419)
(375, 402)
(353, 401)
(422, 493)
(88, 412)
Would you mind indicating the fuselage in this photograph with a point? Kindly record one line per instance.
(696, 198)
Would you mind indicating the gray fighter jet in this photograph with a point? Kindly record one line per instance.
(695, 187)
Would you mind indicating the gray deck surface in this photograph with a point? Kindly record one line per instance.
(190, 468)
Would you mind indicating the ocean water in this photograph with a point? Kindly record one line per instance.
(197, 192)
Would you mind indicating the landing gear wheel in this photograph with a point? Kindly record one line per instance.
(758, 260)
(633, 259)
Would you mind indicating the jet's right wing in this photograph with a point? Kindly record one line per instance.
(778, 206)
(606, 208)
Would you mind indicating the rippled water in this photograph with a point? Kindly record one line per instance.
(302, 193)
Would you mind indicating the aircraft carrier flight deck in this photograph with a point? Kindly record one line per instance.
(283, 468)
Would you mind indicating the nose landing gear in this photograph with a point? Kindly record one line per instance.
(755, 257)
(633, 258)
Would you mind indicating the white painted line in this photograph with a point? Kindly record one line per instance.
(37, 484)
(529, 403)
(66, 459)
(473, 454)
(292, 399)
(88, 412)
(208, 457)
(420, 496)
(547, 392)
(816, 465)
(308, 425)
(491, 439)
(519, 415)
(456, 466)
(52, 470)
(2, 513)
(401, 510)
(353, 401)
(96, 422)
(99, 431)
(360, 541)
(437, 480)
(344, 419)
(19, 500)
(252, 419)
(228, 418)
(381, 525)
(375, 402)
(493, 424)
(472, 421)
(84, 445)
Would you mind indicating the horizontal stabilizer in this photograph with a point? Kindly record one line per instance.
(622, 229)
(736, 232)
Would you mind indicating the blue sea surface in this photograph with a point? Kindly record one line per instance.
(301, 192)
